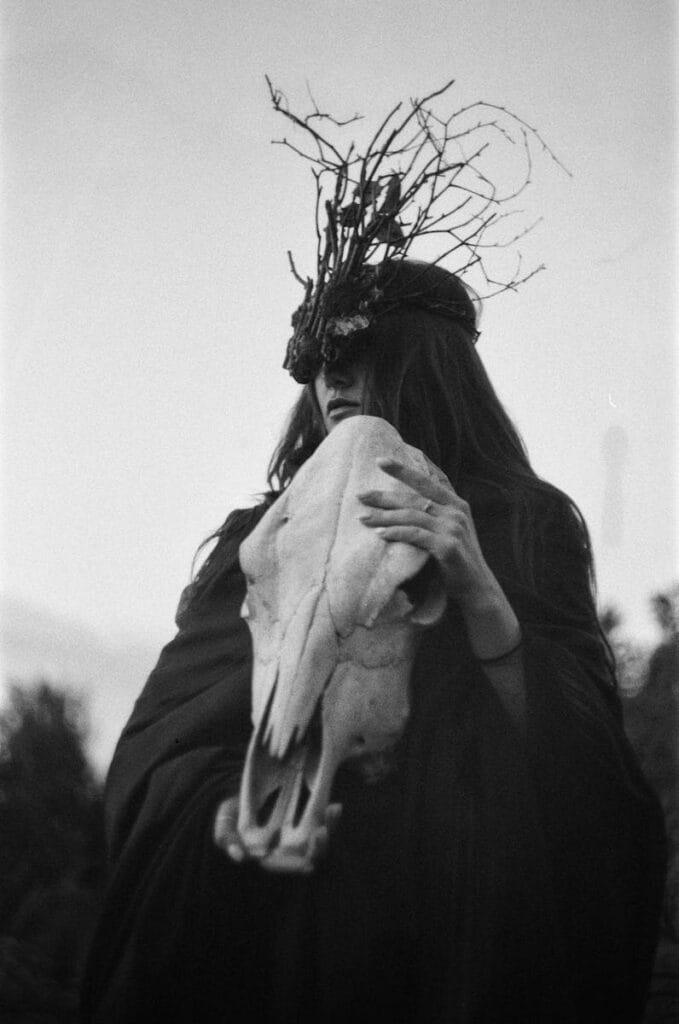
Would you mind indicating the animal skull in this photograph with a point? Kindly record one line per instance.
(334, 612)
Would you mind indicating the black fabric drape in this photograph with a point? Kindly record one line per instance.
(490, 878)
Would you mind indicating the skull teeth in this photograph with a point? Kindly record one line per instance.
(281, 789)
(301, 733)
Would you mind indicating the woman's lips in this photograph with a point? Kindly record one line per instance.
(339, 410)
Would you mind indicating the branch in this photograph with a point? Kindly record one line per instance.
(411, 158)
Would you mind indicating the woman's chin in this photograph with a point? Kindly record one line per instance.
(338, 415)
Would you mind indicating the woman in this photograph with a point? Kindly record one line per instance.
(510, 866)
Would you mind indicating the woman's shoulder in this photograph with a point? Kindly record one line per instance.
(241, 521)
(229, 536)
(530, 531)
(558, 520)
(222, 561)
(544, 508)
(556, 548)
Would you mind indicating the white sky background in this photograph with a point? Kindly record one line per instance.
(148, 297)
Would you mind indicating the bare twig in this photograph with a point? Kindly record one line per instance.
(295, 271)
(412, 180)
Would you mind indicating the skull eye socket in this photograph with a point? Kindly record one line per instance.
(426, 593)
(419, 587)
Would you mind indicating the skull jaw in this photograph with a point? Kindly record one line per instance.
(283, 801)
(361, 714)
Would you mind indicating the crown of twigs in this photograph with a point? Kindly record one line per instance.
(420, 175)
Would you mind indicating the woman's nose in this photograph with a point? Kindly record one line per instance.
(339, 377)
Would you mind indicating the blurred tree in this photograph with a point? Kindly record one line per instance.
(651, 709)
(51, 848)
(610, 619)
(652, 718)
(665, 606)
(631, 660)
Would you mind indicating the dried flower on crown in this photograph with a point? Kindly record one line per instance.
(419, 176)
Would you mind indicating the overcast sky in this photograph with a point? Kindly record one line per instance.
(148, 297)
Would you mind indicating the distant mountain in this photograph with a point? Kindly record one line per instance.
(35, 643)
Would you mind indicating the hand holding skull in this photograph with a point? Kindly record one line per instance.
(436, 519)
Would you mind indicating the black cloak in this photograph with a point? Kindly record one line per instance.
(492, 877)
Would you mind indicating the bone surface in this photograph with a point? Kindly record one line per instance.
(334, 634)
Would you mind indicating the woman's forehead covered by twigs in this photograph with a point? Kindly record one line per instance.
(421, 175)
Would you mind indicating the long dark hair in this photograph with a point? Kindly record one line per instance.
(424, 376)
